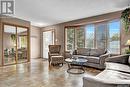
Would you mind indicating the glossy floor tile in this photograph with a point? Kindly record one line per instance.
(38, 73)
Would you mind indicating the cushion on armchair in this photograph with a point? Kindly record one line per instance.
(54, 48)
(54, 54)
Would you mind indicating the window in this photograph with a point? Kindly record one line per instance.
(101, 36)
(22, 41)
(79, 38)
(70, 38)
(114, 36)
(104, 35)
(89, 35)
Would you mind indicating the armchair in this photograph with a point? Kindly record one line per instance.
(116, 74)
(123, 59)
(54, 50)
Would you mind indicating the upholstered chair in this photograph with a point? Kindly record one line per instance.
(54, 50)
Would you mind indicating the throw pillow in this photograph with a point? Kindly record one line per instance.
(75, 52)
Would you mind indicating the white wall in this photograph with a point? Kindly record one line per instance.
(35, 42)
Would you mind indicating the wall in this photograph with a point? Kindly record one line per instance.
(59, 28)
(35, 42)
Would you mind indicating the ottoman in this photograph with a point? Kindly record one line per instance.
(57, 60)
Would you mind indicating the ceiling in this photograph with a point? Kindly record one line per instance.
(42, 13)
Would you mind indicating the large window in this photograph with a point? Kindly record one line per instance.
(114, 36)
(104, 35)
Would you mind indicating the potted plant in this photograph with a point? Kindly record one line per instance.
(127, 51)
(13, 37)
(125, 16)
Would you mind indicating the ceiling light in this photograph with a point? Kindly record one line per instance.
(39, 24)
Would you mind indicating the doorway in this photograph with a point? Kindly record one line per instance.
(48, 39)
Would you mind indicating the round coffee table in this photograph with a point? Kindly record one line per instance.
(75, 62)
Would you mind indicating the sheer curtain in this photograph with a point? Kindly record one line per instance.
(47, 40)
(101, 36)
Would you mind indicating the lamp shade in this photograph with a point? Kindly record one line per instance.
(128, 42)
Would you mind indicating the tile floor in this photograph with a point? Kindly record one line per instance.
(38, 73)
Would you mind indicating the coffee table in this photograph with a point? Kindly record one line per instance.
(75, 64)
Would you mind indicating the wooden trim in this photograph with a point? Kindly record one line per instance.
(73, 26)
(95, 46)
(64, 42)
(5, 23)
(16, 55)
(2, 44)
(54, 36)
(93, 22)
(84, 36)
(120, 36)
(28, 44)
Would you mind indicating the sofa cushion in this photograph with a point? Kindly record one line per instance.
(54, 54)
(79, 56)
(83, 51)
(93, 59)
(97, 52)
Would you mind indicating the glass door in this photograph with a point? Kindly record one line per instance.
(15, 44)
(48, 39)
(9, 44)
(22, 44)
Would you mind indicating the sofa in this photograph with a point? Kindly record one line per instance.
(116, 74)
(96, 57)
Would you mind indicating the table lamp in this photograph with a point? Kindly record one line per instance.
(128, 43)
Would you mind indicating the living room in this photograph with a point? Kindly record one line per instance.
(57, 43)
